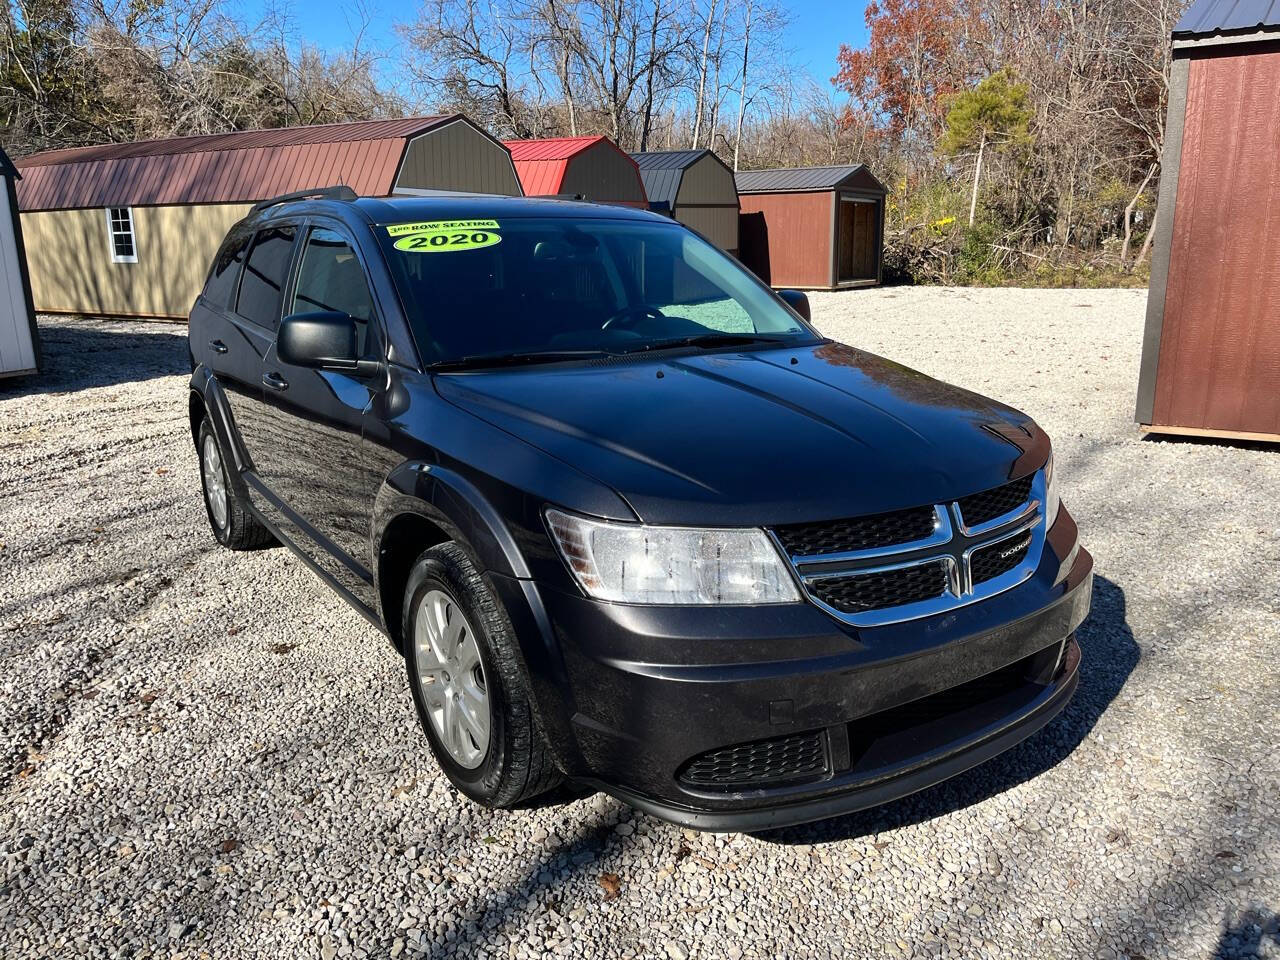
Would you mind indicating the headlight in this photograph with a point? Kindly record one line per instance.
(633, 563)
(1052, 501)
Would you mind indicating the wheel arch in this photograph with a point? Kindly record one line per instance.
(421, 505)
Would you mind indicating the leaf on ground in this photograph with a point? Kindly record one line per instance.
(404, 788)
(283, 648)
(611, 885)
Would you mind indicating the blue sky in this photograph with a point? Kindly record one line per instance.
(815, 33)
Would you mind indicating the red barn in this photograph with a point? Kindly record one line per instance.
(590, 167)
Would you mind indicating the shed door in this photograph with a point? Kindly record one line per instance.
(1219, 365)
(856, 240)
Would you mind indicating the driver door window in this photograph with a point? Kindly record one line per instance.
(331, 279)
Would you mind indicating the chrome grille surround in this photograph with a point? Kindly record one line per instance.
(951, 542)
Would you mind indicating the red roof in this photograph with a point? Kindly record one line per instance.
(238, 167)
(542, 165)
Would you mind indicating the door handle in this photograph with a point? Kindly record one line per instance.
(275, 381)
(217, 346)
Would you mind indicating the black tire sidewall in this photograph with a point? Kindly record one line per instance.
(223, 534)
(437, 570)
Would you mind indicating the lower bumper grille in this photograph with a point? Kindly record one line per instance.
(796, 758)
(879, 590)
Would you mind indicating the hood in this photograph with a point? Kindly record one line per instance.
(757, 438)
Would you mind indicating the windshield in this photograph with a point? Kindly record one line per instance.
(480, 290)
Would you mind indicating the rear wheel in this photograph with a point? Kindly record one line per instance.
(468, 683)
(229, 516)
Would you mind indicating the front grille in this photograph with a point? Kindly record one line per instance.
(794, 758)
(861, 592)
(857, 533)
(996, 502)
(990, 562)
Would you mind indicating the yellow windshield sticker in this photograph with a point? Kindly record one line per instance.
(431, 226)
(445, 236)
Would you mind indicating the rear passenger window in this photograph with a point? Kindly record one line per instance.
(262, 286)
(226, 270)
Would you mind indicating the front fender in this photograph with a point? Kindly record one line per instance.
(456, 506)
(460, 510)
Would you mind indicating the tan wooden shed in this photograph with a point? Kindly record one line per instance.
(129, 229)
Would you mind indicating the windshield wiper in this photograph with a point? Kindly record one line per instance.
(710, 340)
(477, 360)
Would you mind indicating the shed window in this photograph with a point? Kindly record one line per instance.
(120, 235)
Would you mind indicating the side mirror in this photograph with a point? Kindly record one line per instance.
(797, 301)
(322, 341)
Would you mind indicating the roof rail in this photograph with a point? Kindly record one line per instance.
(319, 193)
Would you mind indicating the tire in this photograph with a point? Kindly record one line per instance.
(514, 764)
(233, 524)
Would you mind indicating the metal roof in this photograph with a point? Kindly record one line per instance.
(668, 159)
(663, 170)
(241, 167)
(552, 148)
(1210, 17)
(792, 179)
(541, 164)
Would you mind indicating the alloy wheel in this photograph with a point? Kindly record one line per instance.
(452, 679)
(215, 483)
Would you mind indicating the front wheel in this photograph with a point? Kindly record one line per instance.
(468, 683)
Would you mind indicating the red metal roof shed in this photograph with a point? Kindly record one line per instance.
(591, 167)
(372, 157)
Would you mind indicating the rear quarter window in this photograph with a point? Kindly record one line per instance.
(226, 270)
(265, 271)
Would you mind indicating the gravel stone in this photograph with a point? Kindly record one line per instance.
(208, 754)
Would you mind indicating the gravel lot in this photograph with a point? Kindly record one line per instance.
(207, 754)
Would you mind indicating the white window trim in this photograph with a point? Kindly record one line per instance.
(111, 236)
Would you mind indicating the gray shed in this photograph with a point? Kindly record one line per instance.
(695, 187)
(19, 339)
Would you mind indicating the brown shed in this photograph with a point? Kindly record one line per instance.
(1211, 351)
(817, 228)
(129, 229)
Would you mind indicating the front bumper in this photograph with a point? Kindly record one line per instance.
(894, 709)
